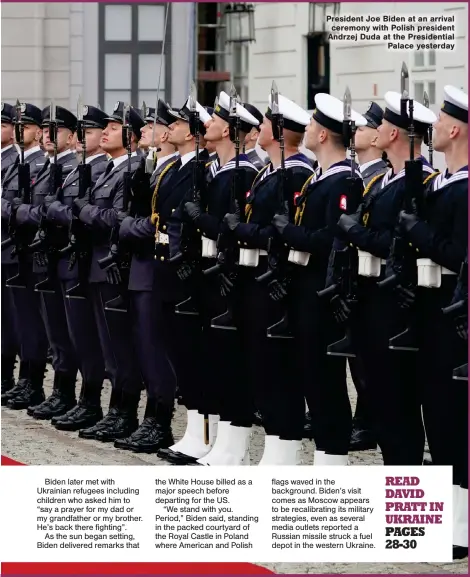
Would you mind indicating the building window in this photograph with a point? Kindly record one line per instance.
(130, 54)
(425, 59)
(318, 67)
(426, 85)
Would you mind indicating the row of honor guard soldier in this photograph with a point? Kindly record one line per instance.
(228, 247)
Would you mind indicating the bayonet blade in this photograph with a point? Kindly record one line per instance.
(216, 102)
(426, 99)
(125, 113)
(144, 110)
(79, 108)
(347, 104)
(274, 98)
(52, 110)
(233, 101)
(405, 87)
(193, 97)
(18, 110)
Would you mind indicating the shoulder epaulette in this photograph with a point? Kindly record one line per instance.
(372, 182)
(155, 215)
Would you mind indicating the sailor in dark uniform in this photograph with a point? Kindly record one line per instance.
(31, 343)
(9, 151)
(79, 312)
(392, 396)
(230, 400)
(169, 334)
(371, 165)
(268, 363)
(65, 362)
(439, 232)
(252, 138)
(102, 212)
(322, 199)
(148, 328)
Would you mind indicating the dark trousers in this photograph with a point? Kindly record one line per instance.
(268, 363)
(322, 378)
(445, 401)
(226, 390)
(10, 332)
(392, 392)
(84, 335)
(150, 337)
(32, 332)
(356, 369)
(115, 334)
(183, 339)
(64, 357)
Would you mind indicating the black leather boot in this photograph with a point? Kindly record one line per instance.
(33, 392)
(154, 433)
(20, 385)
(126, 422)
(459, 552)
(362, 437)
(8, 368)
(61, 400)
(85, 414)
(103, 423)
(257, 419)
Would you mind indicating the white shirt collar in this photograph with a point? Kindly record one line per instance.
(6, 148)
(163, 159)
(120, 159)
(188, 156)
(31, 151)
(366, 165)
(60, 155)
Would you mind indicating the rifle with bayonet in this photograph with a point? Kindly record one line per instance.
(343, 291)
(49, 240)
(189, 236)
(80, 246)
(227, 246)
(403, 257)
(428, 135)
(276, 277)
(458, 313)
(117, 264)
(20, 237)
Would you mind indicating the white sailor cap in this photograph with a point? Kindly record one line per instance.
(422, 116)
(455, 103)
(329, 113)
(222, 109)
(295, 117)
(184, 113)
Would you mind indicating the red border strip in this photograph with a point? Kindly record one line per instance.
(7, 462)
(133, 569)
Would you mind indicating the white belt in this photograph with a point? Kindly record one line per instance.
(263, 252)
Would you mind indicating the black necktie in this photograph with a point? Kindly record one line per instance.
(109, 168)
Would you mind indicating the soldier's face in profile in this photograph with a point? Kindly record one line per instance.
(146, 131)
(265, 133)
(216, 129)
(384, 135)
(7, 134)
(32, 133)
(366, 137)
(111, 137)
(312, 132)
(64, 139)
(92, 141)
(178, 132)
(445, 129)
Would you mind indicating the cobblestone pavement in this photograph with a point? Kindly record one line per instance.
(38, 443)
